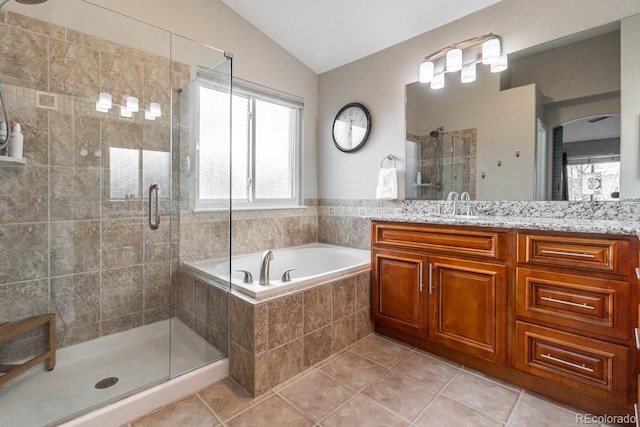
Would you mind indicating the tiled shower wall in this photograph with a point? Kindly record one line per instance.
(66, 245)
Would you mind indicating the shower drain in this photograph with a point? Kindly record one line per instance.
(106, 383)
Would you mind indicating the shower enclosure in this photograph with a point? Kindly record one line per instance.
(440, 162)
(94, 225)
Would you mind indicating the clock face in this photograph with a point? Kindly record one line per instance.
(351, 127)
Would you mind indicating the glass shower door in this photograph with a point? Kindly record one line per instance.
(201, 78)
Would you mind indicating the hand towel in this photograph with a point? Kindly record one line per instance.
(387, 184)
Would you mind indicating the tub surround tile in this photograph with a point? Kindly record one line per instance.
(364, 324)
(241, 324)
(343, 333)
(363, 290)
(344, 296)
(316, 346)
(285, 320)
(284, 362)
(242, 369)
(317, 308)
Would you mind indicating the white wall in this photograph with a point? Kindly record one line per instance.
(379, 80)
(255, 57)
(630, 108)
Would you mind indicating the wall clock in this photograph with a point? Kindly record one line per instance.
(351, 127)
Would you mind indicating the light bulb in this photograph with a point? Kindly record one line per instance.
(454, 60)
(132, 104)
(154, 108)
(491, 51)
(468, 73)
(125, 113)
(500, 65)
(104, 99)
(149, 115)
(438, 81)
(101, 108)
(426, 72)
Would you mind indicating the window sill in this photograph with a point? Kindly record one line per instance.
(248, 208)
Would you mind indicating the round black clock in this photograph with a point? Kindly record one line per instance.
(351, 127)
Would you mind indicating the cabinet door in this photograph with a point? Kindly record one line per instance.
(398, 294)
(469, 307)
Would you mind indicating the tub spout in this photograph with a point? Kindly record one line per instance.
(267, 257)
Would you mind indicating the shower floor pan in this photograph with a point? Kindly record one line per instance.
(137, 358)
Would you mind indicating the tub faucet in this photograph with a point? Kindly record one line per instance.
(267, 257)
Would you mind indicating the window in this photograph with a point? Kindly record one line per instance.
(265, 148)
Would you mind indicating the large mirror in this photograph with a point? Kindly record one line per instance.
(546, 129)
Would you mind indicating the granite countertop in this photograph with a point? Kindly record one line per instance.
(623, 227)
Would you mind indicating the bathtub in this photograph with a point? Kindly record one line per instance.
(314, 264)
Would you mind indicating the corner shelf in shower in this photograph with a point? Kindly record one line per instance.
(10, 162)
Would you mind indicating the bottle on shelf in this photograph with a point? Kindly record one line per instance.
(16, 142)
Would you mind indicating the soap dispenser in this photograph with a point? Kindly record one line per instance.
(3, 133)
(16, 142)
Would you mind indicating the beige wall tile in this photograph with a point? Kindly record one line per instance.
(75, 247)
(24, 196)
(241, 323)
(76, 302)
(74, 69)
(121, 243)
(343, 333)
(121, 293)
(364, 325)
(74, 194)
(121, 324)
(24, 58)
(242, 368)
(157, 285)
(285, 362)
(24, 251)
(363, 290)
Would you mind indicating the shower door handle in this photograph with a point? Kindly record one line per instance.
(154, 220)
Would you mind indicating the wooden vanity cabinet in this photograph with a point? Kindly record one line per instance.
(573, 305)
(553, 312)
(430, 282)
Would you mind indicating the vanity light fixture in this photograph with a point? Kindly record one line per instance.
(132, 104)
(125, 112)
(463, 56)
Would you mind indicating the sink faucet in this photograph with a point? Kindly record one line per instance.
(465, 197)
(264, 267)
(453, 196)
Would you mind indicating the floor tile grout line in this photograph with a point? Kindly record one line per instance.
(438, 394)
(208, 407)
(513, 410)
(471, 407)
(294, 407)
(491, 379)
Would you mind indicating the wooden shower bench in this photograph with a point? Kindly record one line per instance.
(11, 330)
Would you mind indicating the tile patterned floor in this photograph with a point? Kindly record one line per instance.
(375, 382)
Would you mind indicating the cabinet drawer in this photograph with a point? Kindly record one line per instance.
(468, 242)
(593, 366)
(584, 303)
(577, 252)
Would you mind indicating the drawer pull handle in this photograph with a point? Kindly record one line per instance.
(549, 252)
(430, 278)
(564, 362)
(635, 412)
(421, 276)
(637, 333)
(638, 272)
(573, 304)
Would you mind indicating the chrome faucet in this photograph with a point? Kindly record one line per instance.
(267, 257)
(465, 197)
(453, 196)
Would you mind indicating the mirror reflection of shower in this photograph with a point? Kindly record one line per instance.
(439, 162)
(5, 126)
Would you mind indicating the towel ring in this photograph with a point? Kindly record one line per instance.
(390, 158)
